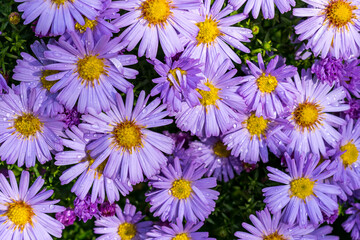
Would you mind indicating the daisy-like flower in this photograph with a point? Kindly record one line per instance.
(311, 118)
(268, 90)
(125, 225)
(218, 161)
(352, 224)
(90, 71)
(304, 194)
(58, 16)
(25, 133)
(124, 140)
(89, 177)
(177, 231)
(333, 27)
(32, 71)
(267, 6)
(152, 21)
(251, 137)
(219, 102)
(178, 82)
(24, 210)
(181, 193)
(215, 33)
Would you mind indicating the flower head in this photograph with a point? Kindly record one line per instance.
(66, 217)
(85, 209)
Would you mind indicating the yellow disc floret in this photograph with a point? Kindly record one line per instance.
(45, 83)
(339, 13)
(19, 213)
(301, 188)
(88, 24)
(256, 125)
(209, 97)
(208, 31)
(127, 136)
(181, 236)
(59, 2)
(274, 236)
(27, 125)
(156, 11)
(266, 83)
(173, 73)
(307, 115)
(181, 189)
(127, 231)
(351, 155)
(90, 68)
(220, 150)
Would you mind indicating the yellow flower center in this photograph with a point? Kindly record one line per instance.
(88, 24)
(90, 68)
(351, 155)
(45, 83)
(256, 125)
(128, 136)
(127, 231)
(59, 2)
(274, 236)
(301, 188)
(181, 236)
(28, 125)
(181, 189)
(340, 13)
(156, 11)
(173, 73)
(220, 150)
(20, 213)
(266, 83)
(208, 31)
(209, 97)
(307, 115)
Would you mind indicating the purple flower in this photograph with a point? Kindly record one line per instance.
(332, 27)
(152, 21)
(219, 102)
(86, 209)
(107, 209)
(71, 117)
(268, 90)
(3, 84)
(89, 71)
(181, 193)
(25, 133)
(329, 69)
(58, 16)
(352, 224)
(66, 217)
(215, 32)
(24, 210)
(122, 138)
(304, 195)
(177, 231)
(354, 111)
(178, 82)
(125, 225)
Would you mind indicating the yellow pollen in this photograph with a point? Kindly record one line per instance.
(90, 68)
(88, 24)
(27, 125)
(181, 189)
(351, 155)
(339, 13)
(266, 83)
(208, 31)
(220, 150)
(156, 11)
(127, 231)
(209, 97)
(59, 2)
(256, 125)
(181, 236)
(20, 213)
(307, 115)
(301, 188)
(274, 236)
(127, 136)
(173, 73)
(45, 83)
